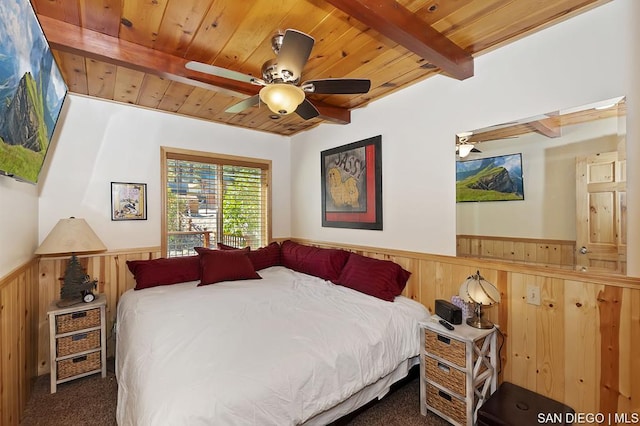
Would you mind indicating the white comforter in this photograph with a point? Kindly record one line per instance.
(275, 351)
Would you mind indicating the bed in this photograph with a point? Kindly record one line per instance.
(284, 348)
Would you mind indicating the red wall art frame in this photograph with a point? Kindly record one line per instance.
(351, 180)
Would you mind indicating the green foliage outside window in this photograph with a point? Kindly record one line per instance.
(241, 203)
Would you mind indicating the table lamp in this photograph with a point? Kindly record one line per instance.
(73, 236)
(480, 292)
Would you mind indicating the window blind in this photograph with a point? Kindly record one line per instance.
(210, 200)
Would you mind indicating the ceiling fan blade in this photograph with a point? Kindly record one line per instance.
(294, 52)
(338, 86)
(306, 110)
(219, 71)
(244, 104)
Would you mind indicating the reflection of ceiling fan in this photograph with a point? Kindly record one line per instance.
(281, 76)
(463, 146)
(466, 141)
(463, 150)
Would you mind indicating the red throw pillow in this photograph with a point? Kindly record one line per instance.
(201, 250)
(383, 279)
(265, 257)
(223, 246)
(261, 258)
(164, 271)
(320, 262)
(225, 265)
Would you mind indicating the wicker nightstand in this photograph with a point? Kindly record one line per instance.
(77, 339)
(457, 370)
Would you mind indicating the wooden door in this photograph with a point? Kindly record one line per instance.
(601, 207)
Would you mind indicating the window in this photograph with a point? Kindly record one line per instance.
(211, 198)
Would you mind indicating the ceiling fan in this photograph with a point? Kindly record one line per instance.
(466, 142)
(464, 150)
(282, 91)
(463, 146)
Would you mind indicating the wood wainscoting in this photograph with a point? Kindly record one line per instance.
(18, 340)
(556, 253)
(114, 278)
(581, 346)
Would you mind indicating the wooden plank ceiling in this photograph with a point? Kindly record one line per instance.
(134, 51)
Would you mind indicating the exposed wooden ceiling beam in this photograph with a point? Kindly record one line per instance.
(73, 39)
(333, 114)
(397, 23)
(548, 128)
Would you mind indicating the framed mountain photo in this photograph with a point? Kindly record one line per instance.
(32, 92)
(490, 179)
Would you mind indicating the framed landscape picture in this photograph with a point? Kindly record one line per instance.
(128, 201)
(490, 179)
(351, 185)
(32, 92)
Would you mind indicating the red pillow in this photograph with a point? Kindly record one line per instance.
(223, 246)
(261, 258)
(225, 265)
(383, 279)
(201, 250)
(164, 271)
(320, 262)
(265, 257)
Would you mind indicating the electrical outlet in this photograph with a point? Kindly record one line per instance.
(533, 294)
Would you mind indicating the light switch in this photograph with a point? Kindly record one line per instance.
(533, 294)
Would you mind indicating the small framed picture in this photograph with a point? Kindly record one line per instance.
(128, 201)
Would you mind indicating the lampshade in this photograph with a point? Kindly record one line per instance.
(282, 98)
(464, 149)
(475, 289)
(71, 236)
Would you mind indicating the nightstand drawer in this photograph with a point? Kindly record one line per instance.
(77, 365)
(445, 375)
(77, 321)
(447, 404)
(79, 342)
(445, 347)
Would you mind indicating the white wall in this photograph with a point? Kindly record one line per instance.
(18, 223)
(548, 210)
(101, 142)
(588, 58)
(585, 59)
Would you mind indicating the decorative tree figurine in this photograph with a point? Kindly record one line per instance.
(73, 236)
(76, 283)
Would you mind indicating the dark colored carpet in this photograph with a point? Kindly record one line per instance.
(91, 401)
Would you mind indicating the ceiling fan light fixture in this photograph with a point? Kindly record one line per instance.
(464, 149)
(282, 98)
(463, 137)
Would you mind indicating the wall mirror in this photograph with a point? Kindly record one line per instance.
(568, 203)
